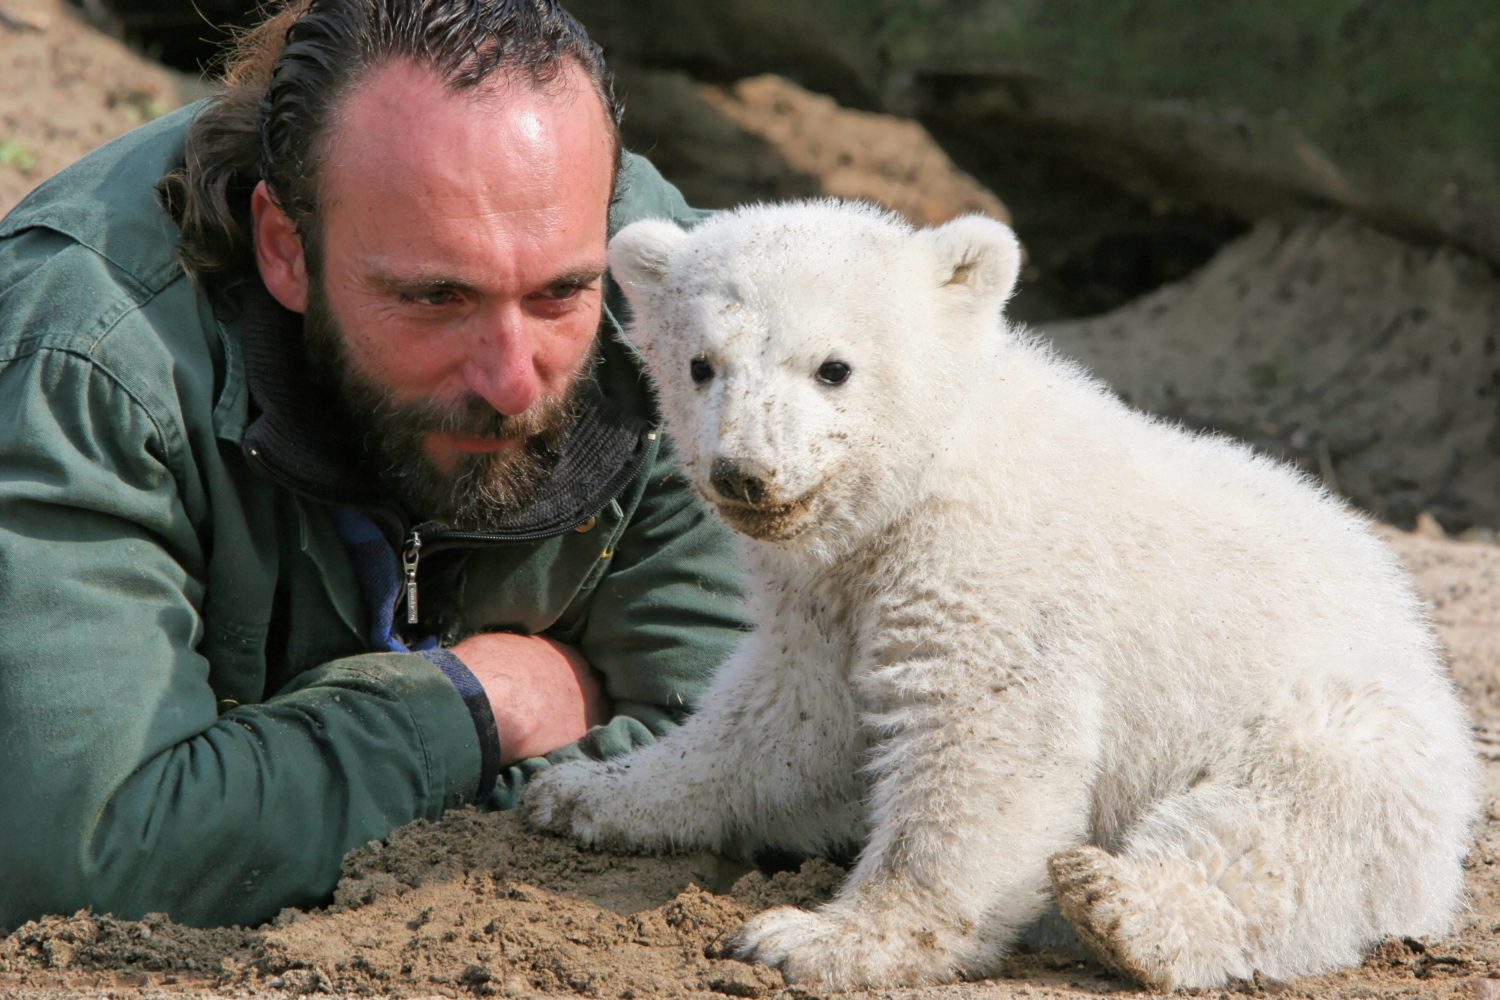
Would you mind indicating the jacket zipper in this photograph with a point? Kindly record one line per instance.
(410, 556)
(415, 538)
(417, 541)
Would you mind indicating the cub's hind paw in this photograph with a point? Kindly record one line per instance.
(1167, 933)
(1092, 899)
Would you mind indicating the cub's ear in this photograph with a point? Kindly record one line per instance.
(978, 254)
(639, 253)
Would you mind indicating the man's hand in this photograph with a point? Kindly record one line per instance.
(543, 693)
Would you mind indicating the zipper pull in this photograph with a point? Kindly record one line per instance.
(409, 558)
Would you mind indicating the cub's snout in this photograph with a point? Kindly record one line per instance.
(751, 500)
(741, 481)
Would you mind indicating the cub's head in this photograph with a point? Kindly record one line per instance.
(808, 357)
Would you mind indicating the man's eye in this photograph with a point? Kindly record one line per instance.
(431, 297)
(562, 293)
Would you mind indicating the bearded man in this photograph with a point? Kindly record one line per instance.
(328, 501)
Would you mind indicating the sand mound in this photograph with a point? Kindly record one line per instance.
(476, 905)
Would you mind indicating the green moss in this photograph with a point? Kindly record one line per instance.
(1263, 376)
(13, 154)
(1427, 72)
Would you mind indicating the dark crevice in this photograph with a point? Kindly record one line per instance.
(185, 36)
(1093, 243)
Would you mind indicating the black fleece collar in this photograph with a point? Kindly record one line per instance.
(299, 436)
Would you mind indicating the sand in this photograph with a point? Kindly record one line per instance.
(479, 906)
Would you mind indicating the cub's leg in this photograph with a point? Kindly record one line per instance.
(969, 802)
(770, 758)
(1189, 900)
(1339, 828)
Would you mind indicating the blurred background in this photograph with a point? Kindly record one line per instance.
(1276, 218)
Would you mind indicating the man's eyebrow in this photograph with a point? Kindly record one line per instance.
(585, 275)
(391, 280)
(397, 280)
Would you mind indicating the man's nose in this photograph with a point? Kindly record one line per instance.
(501, 367)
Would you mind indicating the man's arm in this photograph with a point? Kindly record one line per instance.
(121, 787)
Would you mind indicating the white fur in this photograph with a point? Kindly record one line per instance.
(1026, 646)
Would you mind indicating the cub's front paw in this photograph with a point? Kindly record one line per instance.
(838, 952)
(573, 799)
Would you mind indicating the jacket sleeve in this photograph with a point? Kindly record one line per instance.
(670, 610)
(121, 787)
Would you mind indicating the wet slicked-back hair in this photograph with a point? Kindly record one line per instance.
(286, 80)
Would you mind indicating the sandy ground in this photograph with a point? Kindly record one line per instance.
(477, 906)
(1368, 360)
(67, 89)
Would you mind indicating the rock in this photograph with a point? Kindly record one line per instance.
(1485, 989)
(831, 47)
(1252, 107)
(1427, 526)
(767, 138)
(1371, 362)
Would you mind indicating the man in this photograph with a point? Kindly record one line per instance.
(366, 318)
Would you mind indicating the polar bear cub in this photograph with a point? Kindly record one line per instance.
(1031, 650)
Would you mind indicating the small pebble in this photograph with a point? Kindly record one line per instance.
(1485, 989)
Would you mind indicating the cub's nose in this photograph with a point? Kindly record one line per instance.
(739, 481)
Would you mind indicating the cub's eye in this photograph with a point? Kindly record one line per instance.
(700, 369)
(834, 373)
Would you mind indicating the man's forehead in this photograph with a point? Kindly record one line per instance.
(402, 98)
(444, 168)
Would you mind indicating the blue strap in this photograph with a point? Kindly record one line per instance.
(380, 578)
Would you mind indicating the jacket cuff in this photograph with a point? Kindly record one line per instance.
(470, 690)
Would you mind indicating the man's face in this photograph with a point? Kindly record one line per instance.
(460, 282)
(486, 484)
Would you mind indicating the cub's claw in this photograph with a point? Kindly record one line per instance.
(564, 799)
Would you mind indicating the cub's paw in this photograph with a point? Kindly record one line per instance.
(573, 799)
(1179, 931)
(835, 951)
(1088, 895)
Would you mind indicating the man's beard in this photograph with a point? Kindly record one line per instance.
(483, 489)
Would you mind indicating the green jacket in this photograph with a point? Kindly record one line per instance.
(192, 719)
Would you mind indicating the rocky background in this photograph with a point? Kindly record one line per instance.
(1334, 165)
(1280, 220)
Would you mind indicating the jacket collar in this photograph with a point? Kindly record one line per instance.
(300, 437)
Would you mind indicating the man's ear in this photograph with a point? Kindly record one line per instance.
(278, 251)
(639, 253)
(977, 254)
